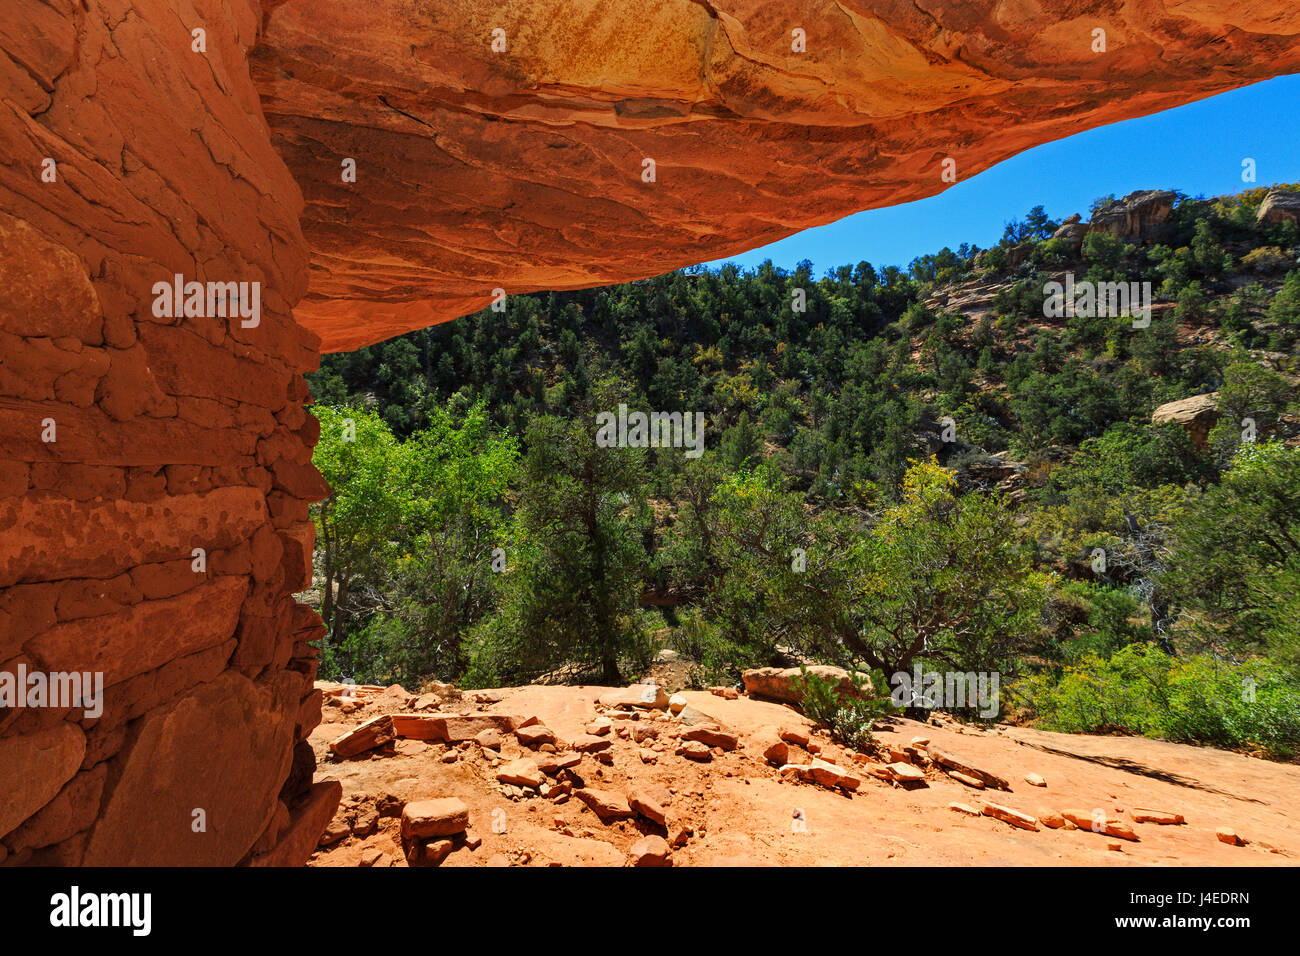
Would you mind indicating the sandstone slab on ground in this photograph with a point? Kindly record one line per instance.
(824, 773)
(639, 696)
(375, 732)
(712, 737)
(606, 804)
(779, 683)
(953, 762)
(521, 773)
(442, 816)
(1012, 816)
(1162, 817)
(1100, 822)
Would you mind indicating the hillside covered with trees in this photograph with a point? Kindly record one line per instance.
(900, 468)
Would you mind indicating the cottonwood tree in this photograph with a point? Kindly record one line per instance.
(355, 526)
(454, 516)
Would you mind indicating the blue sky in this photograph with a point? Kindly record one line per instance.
(1197, 148)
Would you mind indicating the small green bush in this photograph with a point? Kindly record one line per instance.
(1254, 705)
(849, 718)
(717, 660)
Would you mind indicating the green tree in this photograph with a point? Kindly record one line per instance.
(575, 569)
(457, 479)
(1285, 307)
(938, 577)
(1251, 397)
(1236, 565)
(356, 525)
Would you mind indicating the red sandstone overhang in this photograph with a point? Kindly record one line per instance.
(522, 169)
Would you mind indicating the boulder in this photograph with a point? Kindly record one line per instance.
(521, 773)
(638, 696)
(651, 851)
(775, 750)
(591, 744)
(824, 773)
(1197, 414)
(433, 852)
(535, 735)
(694, 750)
(1073, 231)
(606, 804)
(1138, 217)
(552, 764)
(375, 732)
(1280, 205)
(778, 683)
(904, 772)
(795, 735)
(450, 728)
(712, 736)
(646, 804)
(1229, 836)
(443, 816)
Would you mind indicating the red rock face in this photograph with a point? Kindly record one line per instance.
(129, 440)
(522, 169)
(155, 464)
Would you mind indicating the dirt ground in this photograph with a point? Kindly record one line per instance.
(738, 809)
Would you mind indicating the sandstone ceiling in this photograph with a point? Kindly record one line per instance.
(522, 169)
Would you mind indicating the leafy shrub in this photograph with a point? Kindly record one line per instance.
(1266, 259)
(1286, 304)
(849, 718)
(717, 660)
(1254, 705)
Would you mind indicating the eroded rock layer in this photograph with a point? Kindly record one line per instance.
(522, 168)
(154, 472)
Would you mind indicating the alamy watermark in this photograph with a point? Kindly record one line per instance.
(1089, 299)
(947, 689)
(626, 429)
(75, 909)
(208, 300)
(58, 689)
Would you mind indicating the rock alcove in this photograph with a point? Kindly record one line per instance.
(155, 468)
